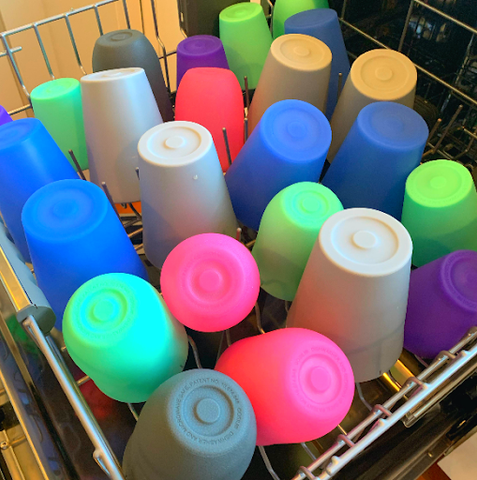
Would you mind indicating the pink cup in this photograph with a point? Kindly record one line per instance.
(300, 383)
(210, 282)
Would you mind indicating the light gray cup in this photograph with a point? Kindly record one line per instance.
(197, 425)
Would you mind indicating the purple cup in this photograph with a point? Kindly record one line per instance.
(200, 51)
(4, 117)
(442, 304)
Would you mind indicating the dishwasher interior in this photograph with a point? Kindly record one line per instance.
(55, 423)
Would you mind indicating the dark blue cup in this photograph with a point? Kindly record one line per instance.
(73, 235)
(323, 24)
(385, 144)
(289, 145)
(29, 159)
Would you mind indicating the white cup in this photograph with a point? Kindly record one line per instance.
(375, 76)
(355, 286)
(297, 67)
(118, 107)
(183, 191)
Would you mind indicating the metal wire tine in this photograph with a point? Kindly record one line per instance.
(126, 13)
(195, 351)
(137, 173)
(138, 247)
(258, 318)
(434, 128)
(247, 94)
(448, 127)
(238, 234)
(267, 463)
(9, 52)
(469, 145)
(343, 9)
(307, 473)
(98, 20)
(245, 121)
(163, 47)
(340, 85)
(406, 25)
(361, 397)
(287, 305)
(135, 233)
(14, 50)
(133, 411)
(133, 208)
(250, 244)
(77, 165)
(73, 43)
(383, 410)
(345, 439)
(308, 451)
(106, 191)
(227, 337)
(43, 51)
(227, 146)
(83, 380)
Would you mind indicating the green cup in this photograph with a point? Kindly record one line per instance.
(284, 9)
(288, 230)
(57, 104)
(247, 39)
(119, 331)
(440, 210)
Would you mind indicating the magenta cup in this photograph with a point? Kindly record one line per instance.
(442, 303)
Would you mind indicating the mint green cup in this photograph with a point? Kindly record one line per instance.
(288, 230)
(119, 331)
(57, 104)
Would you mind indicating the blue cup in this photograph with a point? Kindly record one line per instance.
(323, 24)
(4, 116)
(29, 159)
(73, 235)
(289, 145)
(384, 145)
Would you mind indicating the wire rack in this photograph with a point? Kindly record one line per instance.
(452, 136)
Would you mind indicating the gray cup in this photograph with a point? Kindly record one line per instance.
(197, 425)
(130, 48)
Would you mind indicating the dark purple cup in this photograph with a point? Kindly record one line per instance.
(442, 304)
(4, 117)
(200, 51)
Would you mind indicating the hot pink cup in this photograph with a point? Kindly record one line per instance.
(210, 282)
(300, 383)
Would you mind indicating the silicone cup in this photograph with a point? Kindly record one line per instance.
(198, 424)
(202, 18)
(29, 159)
(247, 39)
(323, 24)
(297, 66)
(288, 230)
(377, 75)
(210, 282)
(299, 382)
(355, 286)
(119, 331)
(130, 48)
(183, 192)
(288, 146)
(440, 210)
(212, 97)
(200, 51)
(283, 9)
(118, 108)
(74, 235)
(58, 105)
(385, 144)
(4, 116)
(442, 303)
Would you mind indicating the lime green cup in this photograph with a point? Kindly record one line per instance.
(247, 39)
(284, 9)
(440, 210)
(288, 230)
(57, 104)
(119, 331)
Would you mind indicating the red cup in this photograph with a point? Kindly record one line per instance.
(212, 97)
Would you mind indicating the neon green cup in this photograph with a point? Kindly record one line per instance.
(284, 9)
(288, 230)
(119, 331)
(247, 39)
(57, 104)
(440, 210)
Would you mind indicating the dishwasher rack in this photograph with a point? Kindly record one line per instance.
(418, 389)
